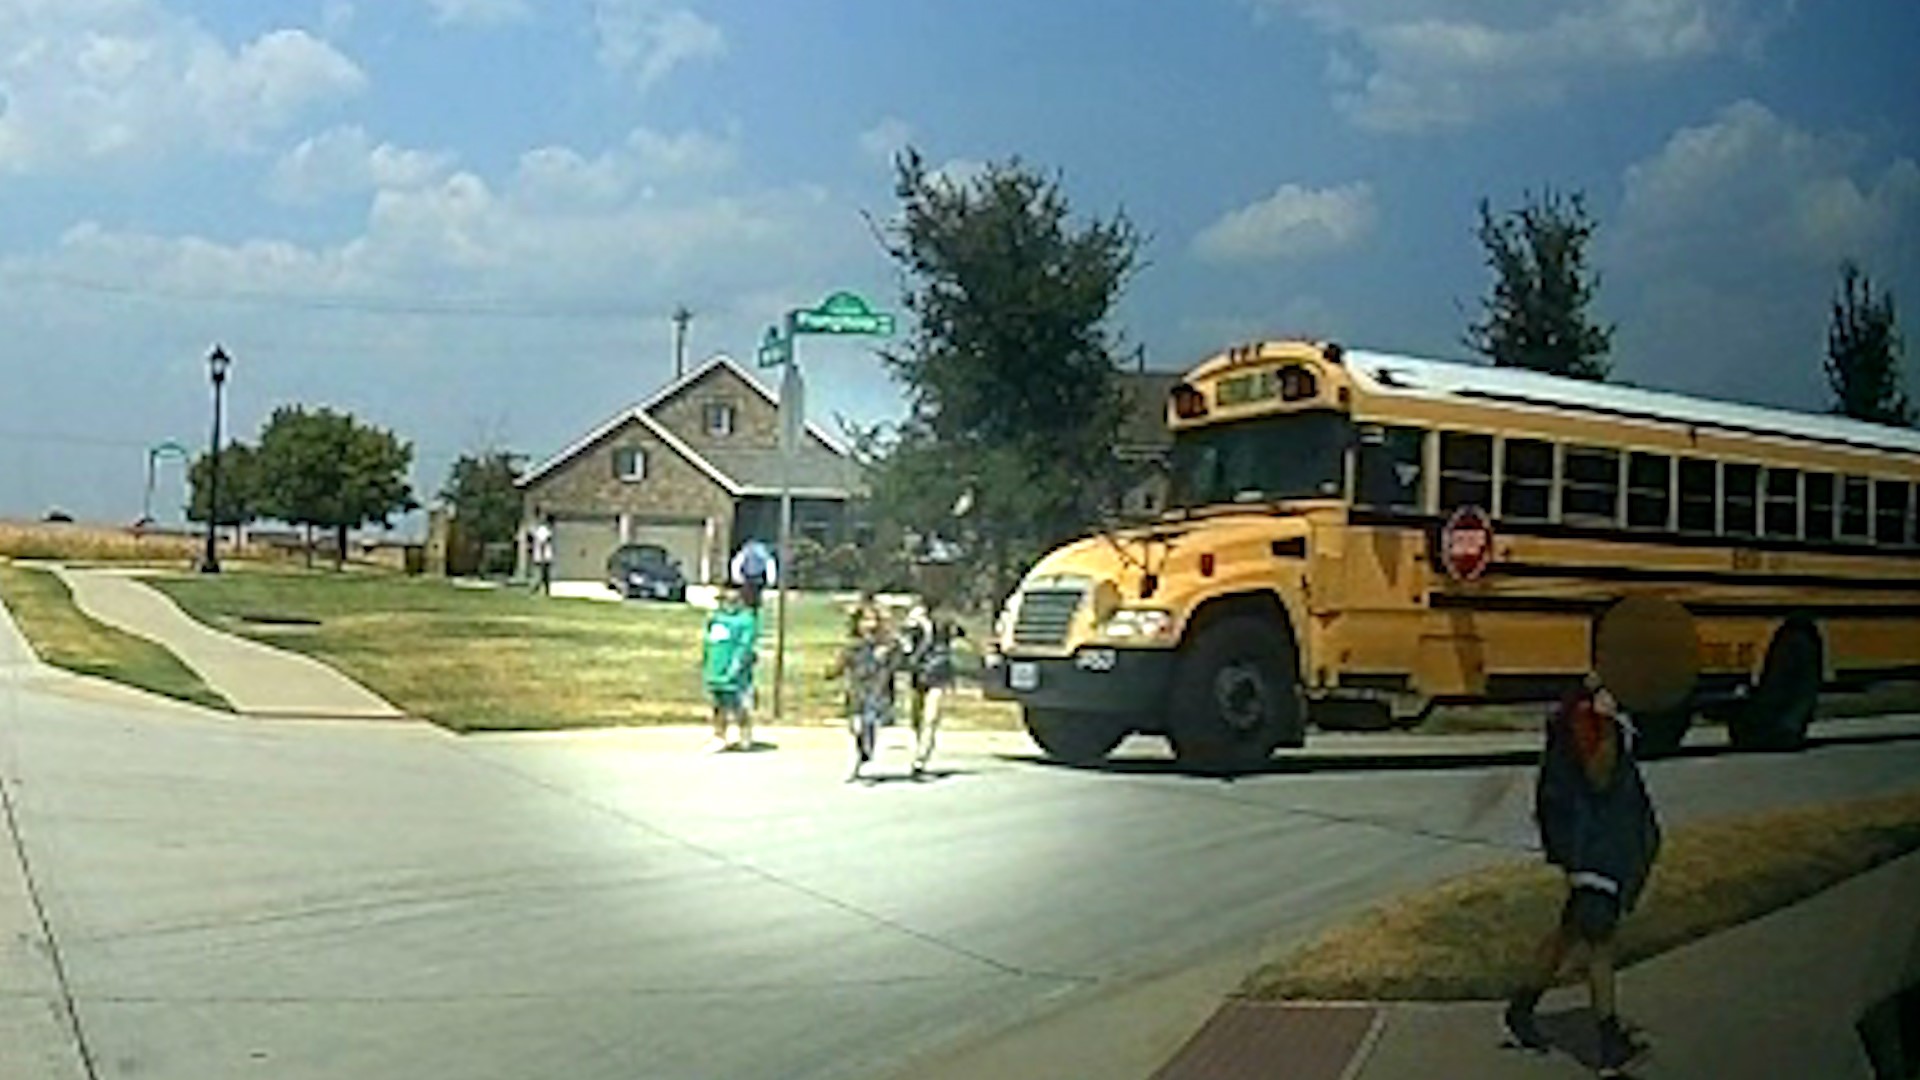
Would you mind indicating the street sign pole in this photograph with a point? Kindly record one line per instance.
(783, 565)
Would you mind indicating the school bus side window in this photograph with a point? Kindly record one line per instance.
(1740, 485)
(1649, 491)
(1466, 470)
(1820, 507)
(1781, 515)
(1590, 491)
(1855, 524)
(1526, 480)
(1890, 507)
(1699, 496)
(1388, 468)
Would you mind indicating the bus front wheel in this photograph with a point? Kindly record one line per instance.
(1776, 716)
(1236, 697)
(1076, 738)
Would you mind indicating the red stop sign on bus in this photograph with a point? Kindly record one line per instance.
(1466, 543)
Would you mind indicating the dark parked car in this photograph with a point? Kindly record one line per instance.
(646, 572)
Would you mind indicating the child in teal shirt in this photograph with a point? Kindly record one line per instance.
(726, 668)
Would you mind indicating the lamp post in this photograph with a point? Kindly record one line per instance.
(217, 364)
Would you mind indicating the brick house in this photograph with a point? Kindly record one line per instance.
(1144, 443)
(695, 469)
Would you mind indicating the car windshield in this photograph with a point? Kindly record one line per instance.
(1288, 457)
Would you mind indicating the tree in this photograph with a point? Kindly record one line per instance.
(1537, 315)
(239, 486)
(324, 469)
(1863, 353)
(480, 489)
(1010, 370)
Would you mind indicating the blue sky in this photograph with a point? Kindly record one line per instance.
(468, 220)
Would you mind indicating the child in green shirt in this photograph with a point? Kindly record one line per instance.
(726, 669)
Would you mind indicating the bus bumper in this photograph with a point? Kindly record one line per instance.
(1093, 679)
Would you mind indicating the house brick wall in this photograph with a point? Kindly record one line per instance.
(674, 488)
(756, 421)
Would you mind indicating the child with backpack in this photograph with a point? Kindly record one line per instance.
(753, 570)
(928, 643)
(1598, 825)
(868, 662)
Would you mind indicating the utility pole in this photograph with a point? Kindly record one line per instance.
(681, 319)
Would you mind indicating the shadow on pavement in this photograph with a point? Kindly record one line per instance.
(1296, 762)
(1575, 1033)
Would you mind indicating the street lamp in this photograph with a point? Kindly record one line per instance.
(217, 364)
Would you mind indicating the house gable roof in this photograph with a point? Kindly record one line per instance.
(814, 474)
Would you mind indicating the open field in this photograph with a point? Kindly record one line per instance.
(499, 658)
(1472, 938)
(66, 638)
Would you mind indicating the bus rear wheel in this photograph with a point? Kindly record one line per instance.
(1781, 707)
(1236, 697)
(1076, 738)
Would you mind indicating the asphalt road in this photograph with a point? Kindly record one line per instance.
(191, 898)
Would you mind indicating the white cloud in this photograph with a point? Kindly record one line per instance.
(560, 176)
(1726, 245)
(479, 12)
(1293, 222)
(885, 139)
(344, 161)
(1751, 182)
(93, 80)
(648, 39)
(1403, 66)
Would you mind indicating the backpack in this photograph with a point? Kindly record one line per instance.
(753, 561)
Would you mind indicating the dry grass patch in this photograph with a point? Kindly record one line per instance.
(502, 659)
(1471, 938)
(66, 637)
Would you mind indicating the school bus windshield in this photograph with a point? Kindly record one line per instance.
(1297, 456)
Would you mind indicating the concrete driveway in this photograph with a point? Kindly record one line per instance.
(195, 898)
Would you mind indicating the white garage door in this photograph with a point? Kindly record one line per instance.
(581, 547)
(683, 541)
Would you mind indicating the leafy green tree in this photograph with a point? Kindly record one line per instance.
(239, 486)
(1010, 369)
(1863, 353)
(1537, 315)
(323, 469)
(480, 490)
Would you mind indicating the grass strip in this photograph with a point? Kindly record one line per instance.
(67, 637)
(1471, 938)
(479, 659)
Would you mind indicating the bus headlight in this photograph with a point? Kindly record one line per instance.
(1138, 624)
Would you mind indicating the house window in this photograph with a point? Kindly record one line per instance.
(1466, 470)
(1590, 485)
(1526, 482)
(719, 418)
(1649, 491)
(1820, 506)
(630, 464)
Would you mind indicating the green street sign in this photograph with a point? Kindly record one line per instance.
(843, 313)
(774, 350)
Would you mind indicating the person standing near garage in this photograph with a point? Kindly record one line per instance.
(753, 570)
(1598, 825)
(541, 542)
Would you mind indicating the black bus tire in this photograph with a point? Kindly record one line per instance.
(1662, 733)
(1782, 705)
(1236, 697)
(1076, 738)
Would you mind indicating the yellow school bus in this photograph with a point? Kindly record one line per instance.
(1353, 537)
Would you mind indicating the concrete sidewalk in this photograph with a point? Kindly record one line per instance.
(258, 679)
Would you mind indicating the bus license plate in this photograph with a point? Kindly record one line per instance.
(1023, 675)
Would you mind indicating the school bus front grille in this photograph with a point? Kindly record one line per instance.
(1045, 616)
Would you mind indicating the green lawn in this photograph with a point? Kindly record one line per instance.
(493, 659)
(65, 637)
